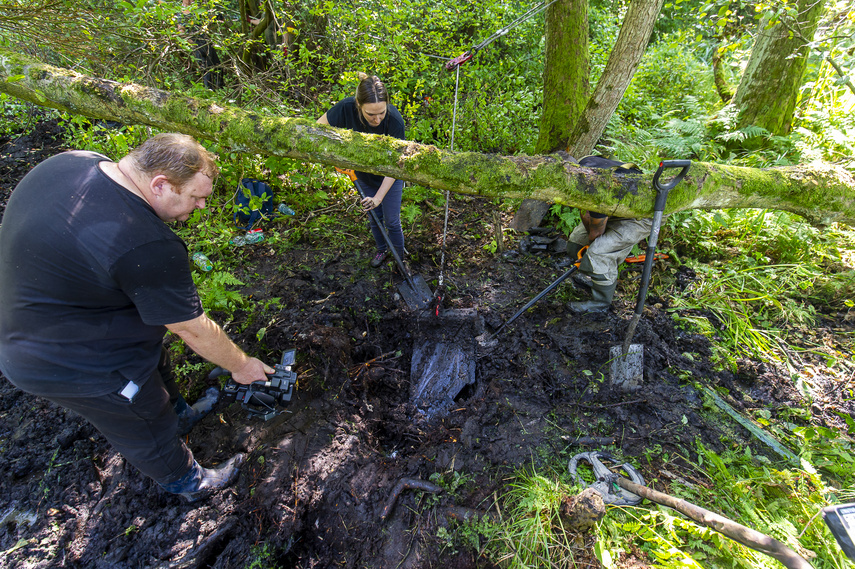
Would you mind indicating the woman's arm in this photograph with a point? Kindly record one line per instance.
(370, 203)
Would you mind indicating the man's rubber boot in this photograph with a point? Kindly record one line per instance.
(189, 415)
(601, 299)
(201, 482)
(583, 280)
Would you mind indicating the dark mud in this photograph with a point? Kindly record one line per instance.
(320, 476)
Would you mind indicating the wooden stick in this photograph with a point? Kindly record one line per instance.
(737, 532)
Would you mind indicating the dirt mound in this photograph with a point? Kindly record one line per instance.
(317, 488)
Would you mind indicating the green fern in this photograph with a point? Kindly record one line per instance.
(681, 138)
(214, 292)
(743, 134)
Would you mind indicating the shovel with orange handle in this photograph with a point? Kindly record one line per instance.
(414, 290)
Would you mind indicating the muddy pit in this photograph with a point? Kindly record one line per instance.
(319, 477)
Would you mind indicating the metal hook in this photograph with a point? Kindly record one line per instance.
(606, 484)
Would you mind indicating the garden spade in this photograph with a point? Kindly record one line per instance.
(627, 362)
(414, 290)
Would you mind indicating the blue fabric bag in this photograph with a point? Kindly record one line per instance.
(249, 211)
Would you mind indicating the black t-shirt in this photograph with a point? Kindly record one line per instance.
(89, 276)
(345, 114)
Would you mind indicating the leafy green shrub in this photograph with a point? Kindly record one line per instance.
(18, 116)
(567, 218)
(669, 82)
(81, 133)
(825, 133)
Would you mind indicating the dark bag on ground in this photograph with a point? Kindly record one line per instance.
(250, 211)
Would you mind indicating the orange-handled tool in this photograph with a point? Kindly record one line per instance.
(544, 292)
(346, 171)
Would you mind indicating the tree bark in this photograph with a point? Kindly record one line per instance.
(821, 193)
(769, 88)
(623, 61)
(565, 75)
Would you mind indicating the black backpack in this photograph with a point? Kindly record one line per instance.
(601, 163)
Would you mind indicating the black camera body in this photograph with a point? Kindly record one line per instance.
(263, 397)
(840, 519)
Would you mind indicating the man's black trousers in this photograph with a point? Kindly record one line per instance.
(144, 430)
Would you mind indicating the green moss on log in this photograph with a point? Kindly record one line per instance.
(819, 192)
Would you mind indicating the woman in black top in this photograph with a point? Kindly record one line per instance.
(369, 111)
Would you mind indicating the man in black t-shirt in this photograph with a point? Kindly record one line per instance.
(91, 278)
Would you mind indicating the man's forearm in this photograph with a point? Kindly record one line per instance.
(207, 338)
(597, 227)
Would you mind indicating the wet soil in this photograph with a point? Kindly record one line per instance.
(317, 488)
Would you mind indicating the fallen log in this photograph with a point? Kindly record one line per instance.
(821, 193)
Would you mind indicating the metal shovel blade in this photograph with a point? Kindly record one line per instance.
(627, 371)
(417, 295)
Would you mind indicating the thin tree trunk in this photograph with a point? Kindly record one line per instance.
(722, 87)
(620, 68)
(843, 76)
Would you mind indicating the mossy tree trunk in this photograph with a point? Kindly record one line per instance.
(566, 73)
(566, 87)
(572, 119)
(821, 193)
(769, 88)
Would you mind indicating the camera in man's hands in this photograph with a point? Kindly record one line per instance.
(263, 398)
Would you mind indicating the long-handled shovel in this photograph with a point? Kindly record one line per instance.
(414, 290)
(540, 295)
(627, 363)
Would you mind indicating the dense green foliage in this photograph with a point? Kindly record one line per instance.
(762, 276)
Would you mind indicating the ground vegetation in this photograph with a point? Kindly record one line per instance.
(747, 405)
